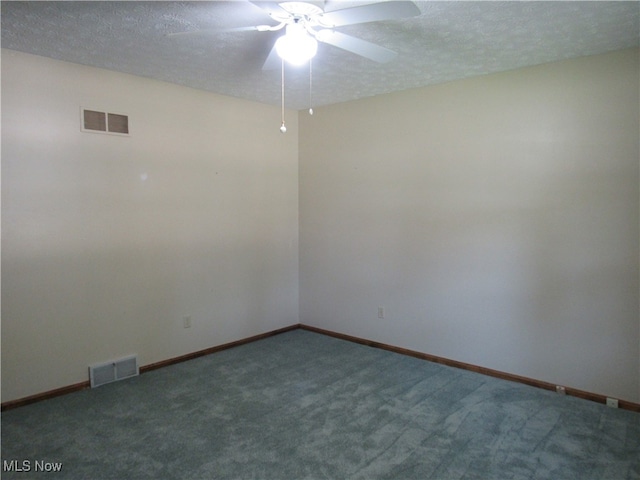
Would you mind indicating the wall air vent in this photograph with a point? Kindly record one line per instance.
(108, 372)
(103, 122)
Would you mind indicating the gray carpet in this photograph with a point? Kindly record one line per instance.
(301, 405)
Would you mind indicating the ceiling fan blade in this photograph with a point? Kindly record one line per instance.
(356, 45)
(207, 31)
(254, 28)
(374, 12)
(273, 60)
(273, 9)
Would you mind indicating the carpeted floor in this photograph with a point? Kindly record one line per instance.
(301, 405)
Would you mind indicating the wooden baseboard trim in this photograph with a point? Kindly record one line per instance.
(210, 350)
(594, 397)
(38, 397)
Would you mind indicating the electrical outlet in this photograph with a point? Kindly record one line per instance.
(561, 390)
(612, 402)
(380, 312)
(186, 321)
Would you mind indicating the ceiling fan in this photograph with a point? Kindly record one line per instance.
(306, 23)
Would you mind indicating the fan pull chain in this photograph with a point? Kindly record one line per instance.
(283, 127)
(310, 86)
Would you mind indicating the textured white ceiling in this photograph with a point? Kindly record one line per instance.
(449, 40)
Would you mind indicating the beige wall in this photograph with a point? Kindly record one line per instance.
(107, 242)
(495, 219)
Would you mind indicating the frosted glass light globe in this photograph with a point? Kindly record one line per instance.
(296, 46)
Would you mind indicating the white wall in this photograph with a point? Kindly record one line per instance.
(107, 242)
(495, 219)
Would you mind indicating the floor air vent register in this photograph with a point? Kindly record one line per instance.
(114, 370)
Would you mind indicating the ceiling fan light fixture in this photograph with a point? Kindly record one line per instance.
(296, 46)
